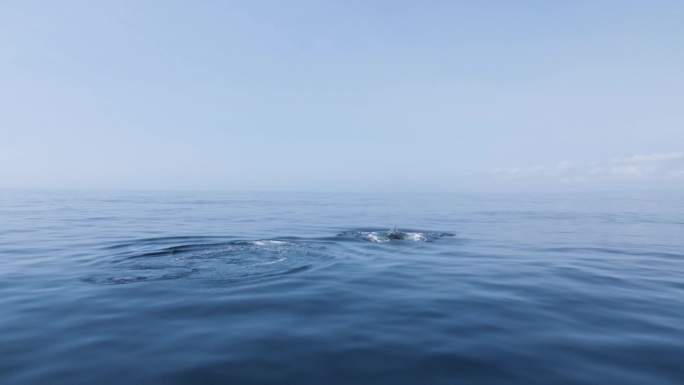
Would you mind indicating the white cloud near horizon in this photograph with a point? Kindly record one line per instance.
(651, 166)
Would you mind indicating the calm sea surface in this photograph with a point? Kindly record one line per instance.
(295, 288)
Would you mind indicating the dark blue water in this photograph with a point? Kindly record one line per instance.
(203, 288)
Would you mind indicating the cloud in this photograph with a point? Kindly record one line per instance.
(652, 166)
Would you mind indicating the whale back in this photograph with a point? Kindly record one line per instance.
(394, 234)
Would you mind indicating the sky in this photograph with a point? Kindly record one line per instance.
(350, 95)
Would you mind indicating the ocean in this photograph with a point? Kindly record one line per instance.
(116, 287)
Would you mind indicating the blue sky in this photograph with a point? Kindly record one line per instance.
(342, 95)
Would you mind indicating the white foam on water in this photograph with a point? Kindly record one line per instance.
(267, 242)
(375, 237)
(416, 237)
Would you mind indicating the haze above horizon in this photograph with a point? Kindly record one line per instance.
(342, 95)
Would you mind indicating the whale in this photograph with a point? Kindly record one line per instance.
(394, 234)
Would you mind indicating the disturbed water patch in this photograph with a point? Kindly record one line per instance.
(218, 260)
(228, 262)
(380, 236)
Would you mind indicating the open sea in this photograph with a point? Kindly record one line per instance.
(310, 288)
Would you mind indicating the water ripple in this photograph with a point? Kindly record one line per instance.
(233, 261)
